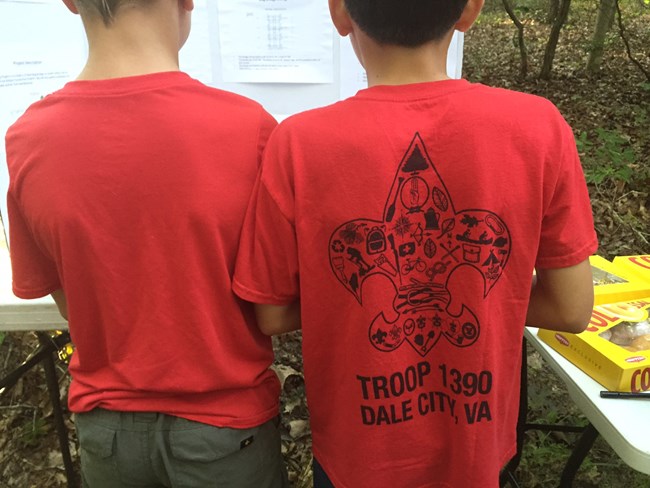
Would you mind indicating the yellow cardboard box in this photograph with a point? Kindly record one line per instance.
(615, 284)
(615, 348)
(639, 266)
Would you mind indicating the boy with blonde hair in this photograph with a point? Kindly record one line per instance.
(128, 188)
(401, 228)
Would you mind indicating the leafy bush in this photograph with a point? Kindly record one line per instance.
(610, 158)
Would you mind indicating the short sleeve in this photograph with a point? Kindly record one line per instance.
(567, 236)
(34, 275)
(267, 264)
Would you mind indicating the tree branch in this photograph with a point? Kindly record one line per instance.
(621, 29)
(523, 69)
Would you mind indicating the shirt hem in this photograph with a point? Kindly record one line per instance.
(255, 296)
(36, 293)
(569, 260)
(228, 422)
(510, 453)
(247, 423)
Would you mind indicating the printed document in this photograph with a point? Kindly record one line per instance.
(276, 41)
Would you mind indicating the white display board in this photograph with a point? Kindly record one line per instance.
(286, 55)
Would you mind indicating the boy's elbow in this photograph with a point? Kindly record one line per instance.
(575, 324)
(563, 299)
(269, 328)
(274, 320)
(575, 319)
(267, 331)
(277, 328)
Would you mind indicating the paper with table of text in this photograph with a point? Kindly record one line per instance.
(275, 41)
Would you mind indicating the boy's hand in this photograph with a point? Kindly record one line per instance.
(562, 299)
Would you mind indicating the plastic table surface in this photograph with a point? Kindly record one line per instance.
(624, 424)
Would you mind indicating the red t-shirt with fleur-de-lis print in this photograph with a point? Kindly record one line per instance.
(408, 220)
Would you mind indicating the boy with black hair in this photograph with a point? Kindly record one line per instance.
(128, 189)
(401, 227)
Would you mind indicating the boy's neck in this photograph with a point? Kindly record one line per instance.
(134, 44)
(396, 65)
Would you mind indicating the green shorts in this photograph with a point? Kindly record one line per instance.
(124, 450)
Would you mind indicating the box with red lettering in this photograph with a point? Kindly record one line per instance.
(615, 348)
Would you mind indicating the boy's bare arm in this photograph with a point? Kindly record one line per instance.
(562, 299)
(59, 299)
(278, 319)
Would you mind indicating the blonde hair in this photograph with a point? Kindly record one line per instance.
(107, 9)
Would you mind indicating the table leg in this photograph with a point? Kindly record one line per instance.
(57, 411)
(508, 473)
(578, 455)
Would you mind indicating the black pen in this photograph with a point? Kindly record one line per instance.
(624, 394)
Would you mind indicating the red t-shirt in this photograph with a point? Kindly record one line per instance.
(408, 219)
(130, 195)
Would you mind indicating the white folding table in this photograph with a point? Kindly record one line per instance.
(24, 315)
(623, 424)
(37, 315)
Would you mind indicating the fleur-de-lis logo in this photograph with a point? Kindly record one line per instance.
(418, 244)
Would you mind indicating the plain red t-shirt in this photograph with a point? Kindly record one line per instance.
(130, 194)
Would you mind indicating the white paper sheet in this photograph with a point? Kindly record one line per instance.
(275, 41)
(455, 56)
(195, 58)
(42, 47)
(353, 76)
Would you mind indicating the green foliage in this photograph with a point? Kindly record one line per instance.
(640, 117)
(3, 336)
(545, 458)
(608, 158)
(33, 431)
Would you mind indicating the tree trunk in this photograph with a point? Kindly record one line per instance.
(553, 9)
(603, 24)
(523, 68)
(551, 45)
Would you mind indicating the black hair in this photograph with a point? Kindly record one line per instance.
(408, 23)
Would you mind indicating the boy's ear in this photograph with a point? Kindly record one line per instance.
(71, 6)
(469, 15)
(340, 17)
